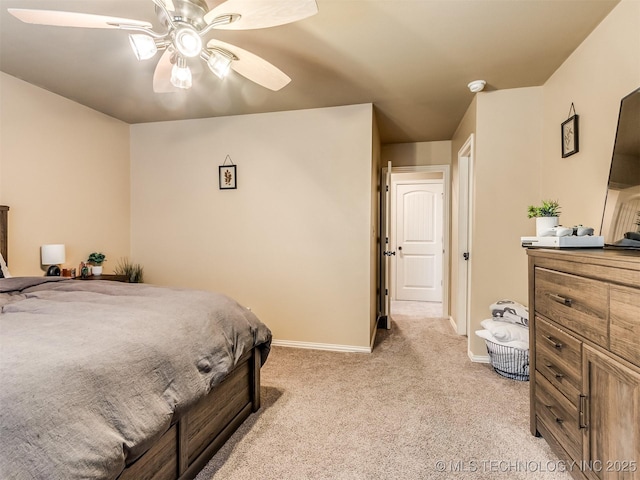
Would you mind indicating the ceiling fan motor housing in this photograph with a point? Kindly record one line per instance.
(188, 11)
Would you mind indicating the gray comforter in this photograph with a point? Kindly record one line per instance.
(92, 372)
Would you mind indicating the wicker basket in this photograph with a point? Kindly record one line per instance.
(509, 362)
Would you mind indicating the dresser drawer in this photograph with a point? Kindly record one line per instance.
(578, 303)
(624, 315)
(559, 416)
(559, 359)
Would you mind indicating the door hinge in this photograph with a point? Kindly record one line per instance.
(387, 188)
(386, 291)
(465, 255)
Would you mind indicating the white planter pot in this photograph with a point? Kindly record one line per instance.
(96, 270)
(545, 223)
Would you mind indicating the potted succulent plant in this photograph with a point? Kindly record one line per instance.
(546, 215)
(96, 259)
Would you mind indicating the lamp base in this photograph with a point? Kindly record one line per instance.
(53, 271)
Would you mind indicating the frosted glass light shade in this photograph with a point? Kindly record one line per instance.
(52, 254)
(181, 75)
(143, 46)
(219, 64)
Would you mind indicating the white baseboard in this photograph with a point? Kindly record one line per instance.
(321, 346)
(478, 358)
(373, 337)
(453, 324)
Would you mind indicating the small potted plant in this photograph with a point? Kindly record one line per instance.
(546, 215)
(133, 271)
(96, 259)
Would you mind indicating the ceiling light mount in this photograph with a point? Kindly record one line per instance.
(477, 86)
(187, 41)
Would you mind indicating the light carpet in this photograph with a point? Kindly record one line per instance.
(415, 408)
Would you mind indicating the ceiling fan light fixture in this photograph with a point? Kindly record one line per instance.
(143, 46)
(181, 74)
(219, 64)
(188, 41)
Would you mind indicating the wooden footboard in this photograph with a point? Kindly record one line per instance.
(197, 435)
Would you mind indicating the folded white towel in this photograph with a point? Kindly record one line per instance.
(504, 331)
(510, 311)
(486, 334)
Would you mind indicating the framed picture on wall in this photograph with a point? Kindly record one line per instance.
(570, 136)
(227, 177)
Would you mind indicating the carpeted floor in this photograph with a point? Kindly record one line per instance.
(416, 408)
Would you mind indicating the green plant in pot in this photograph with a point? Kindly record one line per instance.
(547, 215)
(96, 259)
(133, 271)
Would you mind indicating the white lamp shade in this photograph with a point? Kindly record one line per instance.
(52, 254)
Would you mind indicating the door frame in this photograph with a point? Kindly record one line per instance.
(465, 222)
(446, 207)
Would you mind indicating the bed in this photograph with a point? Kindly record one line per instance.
(109, 380)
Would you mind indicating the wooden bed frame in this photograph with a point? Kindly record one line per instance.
(195, 436)
(4, 210)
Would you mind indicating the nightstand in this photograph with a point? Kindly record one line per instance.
(113, 278)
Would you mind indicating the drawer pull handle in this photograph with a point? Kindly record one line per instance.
(560, 299)
(553, 341)
(556, 373)
(558, 419)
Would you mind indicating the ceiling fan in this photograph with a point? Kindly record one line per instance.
(187, 22)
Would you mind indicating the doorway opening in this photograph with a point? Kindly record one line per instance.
(415, 260)
(462, 241)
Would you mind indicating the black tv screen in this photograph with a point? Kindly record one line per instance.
(621, 220)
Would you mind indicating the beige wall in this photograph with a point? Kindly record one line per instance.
(292, 242)
(374, 244)
(64, 172)
(417, 154)
(602, 70)
(466, 127)
(507, 127)
(518, 157)
(506, 181)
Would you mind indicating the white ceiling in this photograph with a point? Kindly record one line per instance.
(412, 59)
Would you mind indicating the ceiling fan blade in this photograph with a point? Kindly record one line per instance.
(162, 74)
(169, 4)
(262, 13)
(72, 19)
(253, 67)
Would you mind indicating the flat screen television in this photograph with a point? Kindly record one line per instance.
(621, 219)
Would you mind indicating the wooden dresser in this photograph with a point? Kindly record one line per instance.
(585, 358)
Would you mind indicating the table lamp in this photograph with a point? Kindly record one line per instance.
(53, 255)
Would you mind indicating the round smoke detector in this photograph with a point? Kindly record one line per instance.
(477, 86)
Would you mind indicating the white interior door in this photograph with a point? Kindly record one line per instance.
(419, 242)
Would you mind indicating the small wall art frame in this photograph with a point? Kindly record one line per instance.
(569, 131)
(227, 175)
